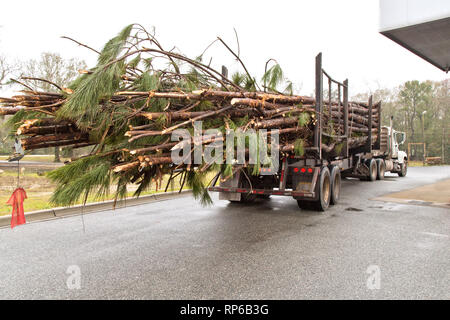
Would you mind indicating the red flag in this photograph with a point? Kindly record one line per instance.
(16, 201)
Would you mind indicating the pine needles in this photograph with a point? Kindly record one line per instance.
(80, 178)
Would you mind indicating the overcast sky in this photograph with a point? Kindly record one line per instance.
(292, 32)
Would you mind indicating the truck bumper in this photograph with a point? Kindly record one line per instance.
(263, 191)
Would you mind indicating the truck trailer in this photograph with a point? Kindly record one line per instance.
(314, 179)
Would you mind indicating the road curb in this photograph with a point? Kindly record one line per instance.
(61, 212)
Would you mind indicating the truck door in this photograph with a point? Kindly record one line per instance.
(394, 145)
(398, 138)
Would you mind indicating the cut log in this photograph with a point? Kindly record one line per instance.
(53, 138)
(4, 111)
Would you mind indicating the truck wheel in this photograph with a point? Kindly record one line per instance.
(323, 188)
(372, 170)
(403, 169)
(335, 184)
(381, 169)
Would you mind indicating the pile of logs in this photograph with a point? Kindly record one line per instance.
(48, 132)
(264, 111)
(130, 103)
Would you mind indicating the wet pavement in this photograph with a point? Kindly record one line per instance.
(434, 194)
(176, 249)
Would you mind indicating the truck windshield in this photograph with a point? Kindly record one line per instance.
(399, 137)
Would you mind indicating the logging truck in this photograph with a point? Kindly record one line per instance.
(314, 179)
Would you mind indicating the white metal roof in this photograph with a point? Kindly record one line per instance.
(421, 26)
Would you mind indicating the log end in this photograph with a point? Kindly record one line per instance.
(199, 92)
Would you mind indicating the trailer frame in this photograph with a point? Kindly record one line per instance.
(302, 176)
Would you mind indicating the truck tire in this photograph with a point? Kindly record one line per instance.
(403, 169)
(372, 164)
(381, 169)
(323, 189)
(335, 174)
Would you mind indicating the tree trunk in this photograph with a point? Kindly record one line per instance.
(57, 158)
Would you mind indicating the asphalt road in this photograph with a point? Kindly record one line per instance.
(268, 250)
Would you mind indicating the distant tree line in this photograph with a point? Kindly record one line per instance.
(50, 66)
(421, 110)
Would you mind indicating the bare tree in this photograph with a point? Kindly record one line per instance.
(53, 68)
(57, 71)
(6, 69)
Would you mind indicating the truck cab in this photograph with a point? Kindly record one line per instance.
(395, 159)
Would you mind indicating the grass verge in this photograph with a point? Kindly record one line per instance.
(39, 190)
(36, 158)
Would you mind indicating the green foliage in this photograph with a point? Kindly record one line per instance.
(205, 198)
(416, 95)
(82, 105)
(80, 178)
(134, 63)
(299, 147)
(257, 166)
(203, 105)
(238, 78)
(195, 180)
(238, 122)
(145, 181)
(243, 80)
(195, 77)
(147, 82)
(338, 148)
(289, 88)
(121, 190)
(161, 121)
(415, 98)
(17, 119)
(75, 83)
(227, 170)
(148, 63)
(187, 85)
(304, 119)
(273, 77)
(249, 84)
(114, 46)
